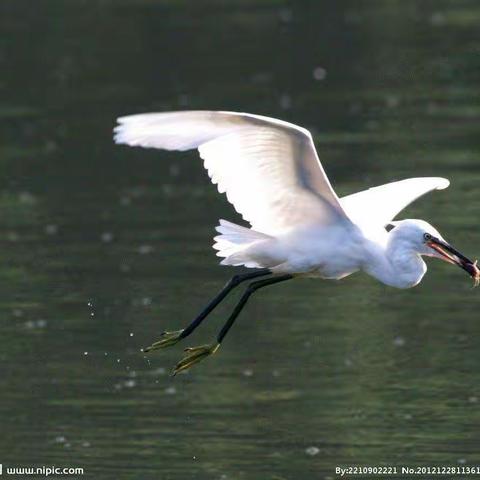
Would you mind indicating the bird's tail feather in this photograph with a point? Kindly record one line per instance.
(234, 244)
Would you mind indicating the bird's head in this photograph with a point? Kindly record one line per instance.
(426, 240)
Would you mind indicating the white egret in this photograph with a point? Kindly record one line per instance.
(271, 174)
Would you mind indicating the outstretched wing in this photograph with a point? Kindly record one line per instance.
(268, 168)
(379, 205)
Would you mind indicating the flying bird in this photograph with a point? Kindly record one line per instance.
(271, 174)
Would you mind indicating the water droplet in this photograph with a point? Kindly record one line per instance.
(50, 146)
(312, 451)
(107, 237)
(130, 383)
(35, 324)
(85, 353)
(319, 73)
(145, 249)
(51, 229)
(392, 101)
(131, 334)
(170, 390)
(27, 198)
(438, 19)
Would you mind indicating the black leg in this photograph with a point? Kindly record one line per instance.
(231, 284)
(171, 338)
(254, 286)
(196, 354)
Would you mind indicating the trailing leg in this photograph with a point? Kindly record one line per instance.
(196, 354)
(171, 338)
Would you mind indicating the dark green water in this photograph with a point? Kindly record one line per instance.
(365, 374)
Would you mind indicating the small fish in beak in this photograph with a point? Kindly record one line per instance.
(449, 254)
(474, 272)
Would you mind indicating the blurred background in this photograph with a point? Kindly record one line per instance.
(103, 247)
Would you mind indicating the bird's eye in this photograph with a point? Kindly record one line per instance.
(427, 236)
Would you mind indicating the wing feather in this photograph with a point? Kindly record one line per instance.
(379, 205)
(268, 168)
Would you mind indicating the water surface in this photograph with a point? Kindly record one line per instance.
(103, 247)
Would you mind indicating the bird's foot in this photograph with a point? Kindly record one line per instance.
(195, 355)
(168, 339)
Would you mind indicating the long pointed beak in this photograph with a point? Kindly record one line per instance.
(449, 254)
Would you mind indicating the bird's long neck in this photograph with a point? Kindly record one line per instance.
(396, 264)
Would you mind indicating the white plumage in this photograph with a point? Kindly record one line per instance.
(268, 169)
(380, 205)
(270, 172)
